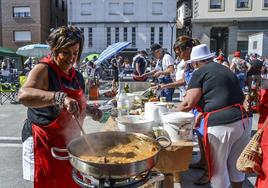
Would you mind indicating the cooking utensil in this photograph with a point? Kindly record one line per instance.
(79, 125)
(103, 140)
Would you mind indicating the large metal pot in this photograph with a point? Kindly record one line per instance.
(100, 140)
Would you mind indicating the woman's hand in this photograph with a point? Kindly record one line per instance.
(197, 121)
(94, 112)
(72, 106)
(157, 74)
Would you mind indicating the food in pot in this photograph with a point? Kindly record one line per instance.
(134, 151)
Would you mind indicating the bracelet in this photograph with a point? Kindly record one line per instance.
(59, 98)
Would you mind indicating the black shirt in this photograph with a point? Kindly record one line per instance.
(220, 88)
(141, 61)
(44, 116)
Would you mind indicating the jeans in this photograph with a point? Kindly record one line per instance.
(168, 92)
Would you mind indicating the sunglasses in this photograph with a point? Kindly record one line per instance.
(71, 32)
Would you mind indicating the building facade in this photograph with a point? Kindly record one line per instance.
(142, 22)
(226, 24)
(29, 21)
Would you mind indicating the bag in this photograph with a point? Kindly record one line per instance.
(250, 159)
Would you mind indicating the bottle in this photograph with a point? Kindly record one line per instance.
(126, 88)
(123, 104)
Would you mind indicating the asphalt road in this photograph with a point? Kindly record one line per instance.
(11, 122)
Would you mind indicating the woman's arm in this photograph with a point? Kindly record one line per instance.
(175, 84)
(190, 100)
(34, 92)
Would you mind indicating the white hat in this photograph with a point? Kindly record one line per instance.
(199, 53)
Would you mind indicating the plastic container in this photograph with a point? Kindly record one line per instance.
(178, 125)
(134, 123)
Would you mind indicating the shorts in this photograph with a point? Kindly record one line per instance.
(28, 159)
(226, 144)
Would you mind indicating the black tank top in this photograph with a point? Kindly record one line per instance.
(44, 116)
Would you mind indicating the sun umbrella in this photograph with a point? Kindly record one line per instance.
(34, 50)
(112, 50)
(91, 57)
(6, 52)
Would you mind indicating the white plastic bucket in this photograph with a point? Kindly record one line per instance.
(178, 125)
(134, 123)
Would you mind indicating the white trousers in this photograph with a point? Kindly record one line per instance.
(28, 159)
(226, 144)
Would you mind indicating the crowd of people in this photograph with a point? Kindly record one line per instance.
(210, 86)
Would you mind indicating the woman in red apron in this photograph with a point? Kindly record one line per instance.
(54, 96)
(262, 180)
(215, 90)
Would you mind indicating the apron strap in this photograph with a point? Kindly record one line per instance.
(205, 138)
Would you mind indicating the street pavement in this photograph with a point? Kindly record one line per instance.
(11, 122)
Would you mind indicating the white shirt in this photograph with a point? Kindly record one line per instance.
(180, 70)
(166, 61)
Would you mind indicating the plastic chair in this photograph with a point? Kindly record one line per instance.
(8, 92)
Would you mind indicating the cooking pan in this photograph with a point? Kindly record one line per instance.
(103, 140)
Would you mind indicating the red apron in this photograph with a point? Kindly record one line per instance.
(262, 180)
(205, 138)
(48, 171)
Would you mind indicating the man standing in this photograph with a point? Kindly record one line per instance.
(164, 68)
(140, 63)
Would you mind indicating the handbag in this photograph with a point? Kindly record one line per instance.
(250, 159)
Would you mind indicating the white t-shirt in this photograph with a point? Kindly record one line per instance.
(166, 61)
(180, 70)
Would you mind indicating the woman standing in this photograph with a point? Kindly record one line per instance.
(215, 90)
(53, 93)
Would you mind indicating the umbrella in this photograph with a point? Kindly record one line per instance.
(112, 50)
(91, 56)
(34, 50)
(7, 52)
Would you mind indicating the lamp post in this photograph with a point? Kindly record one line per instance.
(171, 24)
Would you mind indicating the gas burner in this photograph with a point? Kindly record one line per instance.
(133, 182)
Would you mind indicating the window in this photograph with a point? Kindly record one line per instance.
(62, 6)
(152, 35)
(57, 3)
(22, 36)
(243, 4)
(114, 8)
(125, 33)
(21, 12)
(90, 37)
(216, 4)
(255, 44)
(265, 4)
(133, 37)
(157, 8)
(161, 36)
(117, 34)
(128, 8)
(86, 8)
(108, 36)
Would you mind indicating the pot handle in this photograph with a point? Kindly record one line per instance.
(164, 138)
(53, 149)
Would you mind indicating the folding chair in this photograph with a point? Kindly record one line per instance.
(8, 92)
